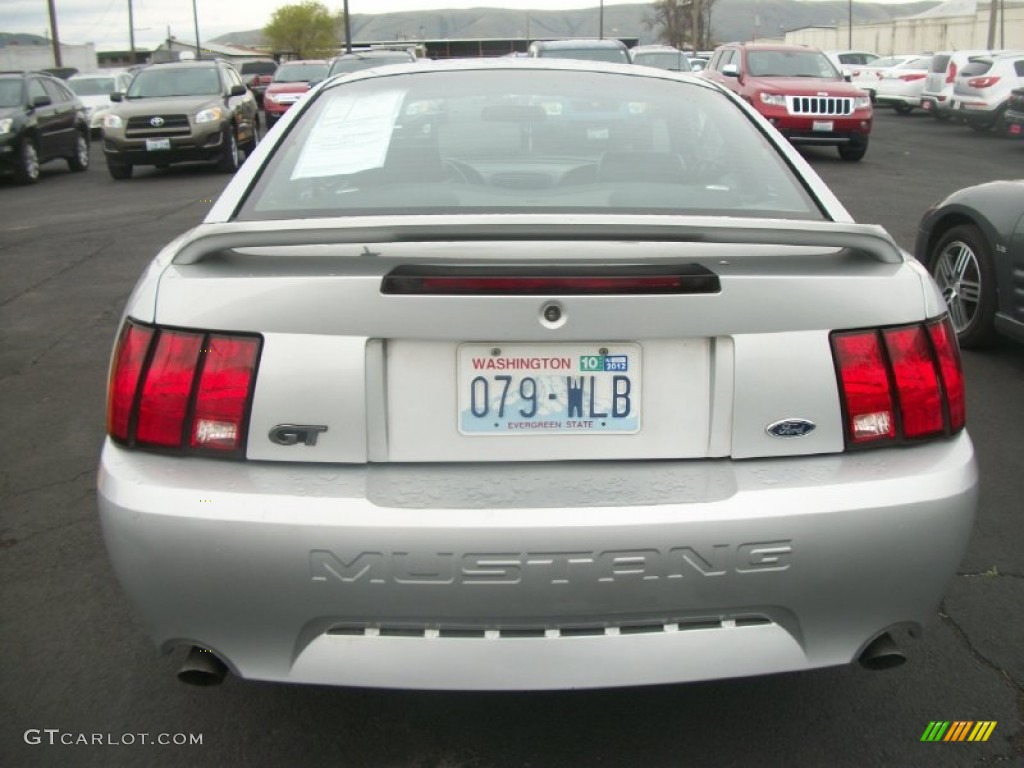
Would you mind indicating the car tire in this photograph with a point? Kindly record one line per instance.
(853, 152)
(902, 109)
(80, 160)
(27, 169)
(981, 126)
(961, 263)
(119, 170)
(230, 161)
(942, 117)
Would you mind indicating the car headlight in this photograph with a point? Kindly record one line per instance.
(110, 120)
(862, 102)
(5, 125)
(774, 99)
(210, 115)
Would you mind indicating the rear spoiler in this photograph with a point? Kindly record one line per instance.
(209, 240)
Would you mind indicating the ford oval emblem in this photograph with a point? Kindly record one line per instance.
(791, 428)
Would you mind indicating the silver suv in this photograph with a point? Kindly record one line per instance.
(983, 89)
(937, 94)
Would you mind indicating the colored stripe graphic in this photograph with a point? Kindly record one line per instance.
(959, 730)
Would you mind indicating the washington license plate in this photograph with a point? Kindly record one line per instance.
(157, 145)
(823, 125)
(531, 389)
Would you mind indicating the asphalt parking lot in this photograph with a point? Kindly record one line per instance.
(78, 663)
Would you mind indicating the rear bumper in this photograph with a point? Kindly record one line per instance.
(432, 577)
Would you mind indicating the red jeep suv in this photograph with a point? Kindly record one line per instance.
(799, 91)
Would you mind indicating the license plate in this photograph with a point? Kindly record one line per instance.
(926, 106)
(1016, 129)
(957, 104)
(157, 145)
(823, 125)
(544, 389)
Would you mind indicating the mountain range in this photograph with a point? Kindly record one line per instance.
(730, 20)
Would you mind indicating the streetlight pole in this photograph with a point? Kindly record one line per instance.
(849, 27)
(600, 22)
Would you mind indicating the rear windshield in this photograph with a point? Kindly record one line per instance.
(663, 60)
(149, 83)
(524, 141)
(939, 63)
(259, 68)
(976, 67)
(357, 62)
(617, 55)
(92, 86)
(300, 73)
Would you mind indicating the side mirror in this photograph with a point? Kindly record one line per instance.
(731, 70)
(41, 101)
(237, 90)
(847, 75)
(117, 96)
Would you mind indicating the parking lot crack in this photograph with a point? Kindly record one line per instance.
(991, 573)
(62, 271)
(54, 484)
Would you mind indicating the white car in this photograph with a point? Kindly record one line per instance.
(532, 374)
(94, 90)
(900, 86)
(983, 87)
(868, 76)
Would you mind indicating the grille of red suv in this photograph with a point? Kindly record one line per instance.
(819, 105)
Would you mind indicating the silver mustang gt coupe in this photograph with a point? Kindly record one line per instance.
(525, 374)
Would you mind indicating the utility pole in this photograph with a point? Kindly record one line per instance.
(55, 37)
(195, 21)
(849, 28)
(131, 33)
(600, 22)
(348, 31)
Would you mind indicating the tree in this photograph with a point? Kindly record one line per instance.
(682, 23)
(307, 29)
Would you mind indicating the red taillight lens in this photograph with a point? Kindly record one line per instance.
(899, 383)
(917, 381)
(912, 77)
(223, 393)
(182, 390)
(865, 387)
(948, 352)
(951, 73)
(124, 377)
(982, 82)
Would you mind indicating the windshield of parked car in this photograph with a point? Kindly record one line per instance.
(673, 60)
(157, 82)
(539, 140)
(790, 64)
(617, 55)
(300, 73)
(357, 62)
(10, 92)
(92, 86)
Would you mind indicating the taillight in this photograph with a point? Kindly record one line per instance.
(912, 77)
(951, 73)
(182, 390)
(982, 82)
(899, 384)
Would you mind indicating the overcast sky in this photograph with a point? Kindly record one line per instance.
(105, 22)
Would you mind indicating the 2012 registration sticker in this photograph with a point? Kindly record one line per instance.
(529, 389)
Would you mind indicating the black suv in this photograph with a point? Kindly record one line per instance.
(40, 120)
(180, 111)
